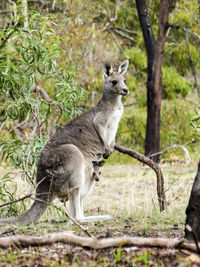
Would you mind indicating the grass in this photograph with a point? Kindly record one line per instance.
(128, 193)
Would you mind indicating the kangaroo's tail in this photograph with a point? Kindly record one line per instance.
(34, 213)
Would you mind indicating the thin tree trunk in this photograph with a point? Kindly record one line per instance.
(193, 209)
(155, 50)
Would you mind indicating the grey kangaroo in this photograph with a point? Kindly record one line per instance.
(65, 166)
(96, 169)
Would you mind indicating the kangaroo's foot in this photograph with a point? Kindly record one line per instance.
(94, 218)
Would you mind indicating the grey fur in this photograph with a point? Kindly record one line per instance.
(65, 168)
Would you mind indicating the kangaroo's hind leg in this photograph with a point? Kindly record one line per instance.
(70, 177)
(78, 196)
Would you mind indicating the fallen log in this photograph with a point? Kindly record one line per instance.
(160, 180)
(93, 243)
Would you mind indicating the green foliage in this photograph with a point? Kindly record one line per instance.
(174, 84)
(36, 93)
(137, 57)
(177, 57)
(8, 191)
(131, 130)
(195, 123)
(175, 123)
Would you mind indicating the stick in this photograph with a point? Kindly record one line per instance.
(160, 180)
(15, 201)
(77, 224)
(72, 239)
(189, 228)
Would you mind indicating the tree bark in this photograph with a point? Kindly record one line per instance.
(155, 50)
(193, 210)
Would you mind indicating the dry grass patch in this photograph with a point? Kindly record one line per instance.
(129, 191)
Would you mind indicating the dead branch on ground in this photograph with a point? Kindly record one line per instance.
(160, 180)
(72, 239)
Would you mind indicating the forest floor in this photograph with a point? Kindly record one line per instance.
(128, 193)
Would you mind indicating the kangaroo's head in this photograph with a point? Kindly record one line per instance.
(114, 81)
(96, 169)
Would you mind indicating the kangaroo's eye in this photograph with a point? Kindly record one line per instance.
(114, 82)
(124, 81)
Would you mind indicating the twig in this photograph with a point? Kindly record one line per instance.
(122, 29)
(160, 180)
(77, 224)
(15, 201)
(43, 93)
(123, 35)
(189, 228)
(26, 168)
(115, 39)
(187, 155)
(184, 29)
(22, 198)
(116, 11)
(6, 39)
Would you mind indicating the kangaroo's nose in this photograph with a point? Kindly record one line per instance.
(125, 91)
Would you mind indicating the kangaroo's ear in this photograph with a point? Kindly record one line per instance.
(107, 69)
(101, 163)
(123, 67)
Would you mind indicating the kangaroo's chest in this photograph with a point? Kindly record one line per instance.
(112, 124)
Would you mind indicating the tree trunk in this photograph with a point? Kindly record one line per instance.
(155, 50)
(193, 210)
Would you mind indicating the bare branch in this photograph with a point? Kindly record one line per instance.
(116, 41)
(184, 29)
(117, 6)
(42, 91)
(72, 239)
(160, 180)
(189, 228)
(15, 201)
(122, 29)
(26, 169)
(124, 35)
(186, 152)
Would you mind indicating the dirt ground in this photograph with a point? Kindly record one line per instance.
(128, 193)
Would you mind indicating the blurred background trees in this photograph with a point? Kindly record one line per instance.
(50, 53)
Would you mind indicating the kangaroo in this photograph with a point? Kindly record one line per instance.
(65, 167)
(96, 169)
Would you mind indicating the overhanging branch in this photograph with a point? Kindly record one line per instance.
(160, 180)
